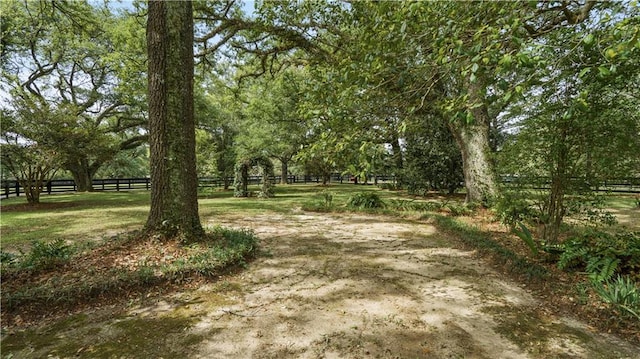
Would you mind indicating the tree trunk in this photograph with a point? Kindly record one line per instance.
(174, 182)
(82, 174)
(473, 140)
(84, 183)
(284, 171)
(555, 209)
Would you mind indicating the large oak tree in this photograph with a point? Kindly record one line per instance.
(174, 183)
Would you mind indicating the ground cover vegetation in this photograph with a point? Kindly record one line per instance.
(523, 109)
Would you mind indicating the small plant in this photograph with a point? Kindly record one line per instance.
(46, 255)
(458, 209)
(7, 259)
(524, 234)
(412, 205)
(365, 200)
(603, 254)
(512, 208)
(622, 293)
(327, 196)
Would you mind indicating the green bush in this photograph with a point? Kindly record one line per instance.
(603, 254)
(622, 293)
(412, 205)
(389, 186)
(457, 209)
(46, 255)
(513, 207)
(365, 200)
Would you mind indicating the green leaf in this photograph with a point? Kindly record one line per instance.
(588, 40)
(604, 71)
(527, 237)
(584, 72)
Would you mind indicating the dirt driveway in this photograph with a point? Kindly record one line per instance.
(358, 286)
(333, 286)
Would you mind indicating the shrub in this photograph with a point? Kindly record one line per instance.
(365, 200)
(457, 209)
(512, 207)
(622, 293)
(46, 255)
(412, 205)
(603, 254)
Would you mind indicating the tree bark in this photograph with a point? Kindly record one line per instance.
(284, 170)
(174, 183)
(473, 140)
(82, 176)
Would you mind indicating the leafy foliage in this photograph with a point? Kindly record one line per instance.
(525, 234)
(512, 207)
(45, 255)
(602, 255)
(365, 200)
(412, 205)
(622, 293)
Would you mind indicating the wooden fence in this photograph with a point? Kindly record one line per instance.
(13, 188)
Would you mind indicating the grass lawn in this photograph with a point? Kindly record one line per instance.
(90, 217)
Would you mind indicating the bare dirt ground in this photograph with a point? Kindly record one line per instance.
(334, 286)
(358, 286)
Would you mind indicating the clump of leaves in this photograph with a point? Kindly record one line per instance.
(365, 200)
(622, 294)
(603, 254)
(45, 255)
(525, 234)
(412, 205)
(327, 197)
(512, 207)
(457, 209)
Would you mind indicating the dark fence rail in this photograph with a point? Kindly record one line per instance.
(13, 188)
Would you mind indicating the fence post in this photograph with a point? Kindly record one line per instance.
(49, 187)
(6, 189)
(17, 189)
(117, 184)
(146, 182)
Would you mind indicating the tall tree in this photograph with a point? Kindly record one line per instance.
(174, 182)
(64, 61)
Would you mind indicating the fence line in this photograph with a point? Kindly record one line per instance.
(13, 188)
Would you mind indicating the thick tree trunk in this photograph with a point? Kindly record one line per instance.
(82, 174)
(473, 140)
(84, 183)
(174, 183)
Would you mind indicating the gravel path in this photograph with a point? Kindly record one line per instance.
(357, 286)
